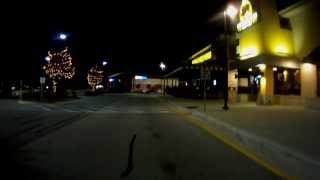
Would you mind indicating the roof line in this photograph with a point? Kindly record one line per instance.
(292, 7)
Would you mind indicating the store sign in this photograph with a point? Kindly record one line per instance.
(205, 57)
(247, 16)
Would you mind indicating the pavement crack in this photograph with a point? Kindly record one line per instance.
(129, 168)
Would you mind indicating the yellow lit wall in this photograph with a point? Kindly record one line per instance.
(308, 80)
(267, 82)
(304, 19)
(250, 42)
(266, 37)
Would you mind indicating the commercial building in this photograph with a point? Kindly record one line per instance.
(278, 52)
(200, 75)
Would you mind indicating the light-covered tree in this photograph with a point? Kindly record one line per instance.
(95, 76)
(59, 66)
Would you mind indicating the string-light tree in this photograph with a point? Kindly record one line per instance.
(95, 76)
(59, 66)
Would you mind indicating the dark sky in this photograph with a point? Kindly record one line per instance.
(132, 35)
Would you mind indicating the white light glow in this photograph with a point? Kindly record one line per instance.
(104, 63)
(231, 11)
(214, 82)
(262, 67)
(99, 86)
(259, 76)
(281, 49)
(249, 52)
(47, 58)
(62, 36)
(162, 66)
(111, 80)
(138, 77)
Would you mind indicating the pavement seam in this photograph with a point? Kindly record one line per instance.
(187, 116)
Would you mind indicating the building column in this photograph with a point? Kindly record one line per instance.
(266, 92)
(308, 80)
(233, 85)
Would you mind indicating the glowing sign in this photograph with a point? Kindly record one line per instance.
(205, 57)
(247, 16)
(138, 77)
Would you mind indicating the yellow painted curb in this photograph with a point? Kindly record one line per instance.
(213, 132)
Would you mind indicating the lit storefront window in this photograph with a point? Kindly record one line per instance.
(287, 81)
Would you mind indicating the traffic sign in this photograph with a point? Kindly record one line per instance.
(42, 80)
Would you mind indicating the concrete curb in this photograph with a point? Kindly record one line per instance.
(295, 163)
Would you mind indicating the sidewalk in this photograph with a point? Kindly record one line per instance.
(291, 128)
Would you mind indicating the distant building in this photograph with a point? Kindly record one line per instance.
(119, 83)
(143, 84)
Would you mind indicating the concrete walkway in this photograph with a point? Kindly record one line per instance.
(289, 129)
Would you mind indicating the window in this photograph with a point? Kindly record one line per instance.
(287, 81)
(285, 23)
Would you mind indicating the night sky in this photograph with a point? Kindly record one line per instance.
(133, 35)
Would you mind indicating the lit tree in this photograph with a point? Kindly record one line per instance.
(95, 76)
(59, 66)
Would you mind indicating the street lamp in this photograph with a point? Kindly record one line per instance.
(230, 12)
(162, 66)
(47, 58)
(62, 36)
(104, 63)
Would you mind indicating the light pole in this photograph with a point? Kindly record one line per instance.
(163, 67)
(230, 12)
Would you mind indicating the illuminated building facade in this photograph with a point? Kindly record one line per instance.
(273, 49)
(201, 72)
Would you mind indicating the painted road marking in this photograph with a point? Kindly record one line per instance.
(215, 133)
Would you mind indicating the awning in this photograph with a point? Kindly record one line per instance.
(287, 62)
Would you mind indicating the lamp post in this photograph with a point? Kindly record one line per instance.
(230, 12)
(163, 67)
